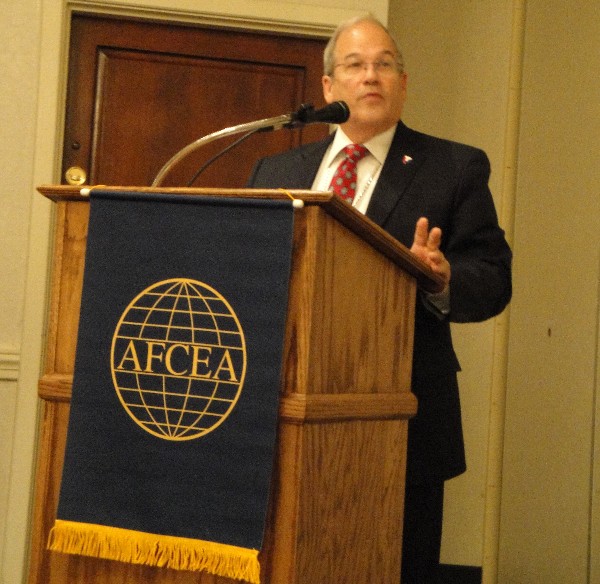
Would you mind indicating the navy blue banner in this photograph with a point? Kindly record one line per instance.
(175, 393)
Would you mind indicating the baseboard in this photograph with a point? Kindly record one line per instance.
(450, 574)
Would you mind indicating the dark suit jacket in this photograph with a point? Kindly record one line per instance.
(447, 183)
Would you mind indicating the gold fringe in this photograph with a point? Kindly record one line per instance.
(165, 551)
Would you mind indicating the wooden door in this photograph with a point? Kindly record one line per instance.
(139, 91)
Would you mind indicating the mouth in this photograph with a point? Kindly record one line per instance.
(372, 96)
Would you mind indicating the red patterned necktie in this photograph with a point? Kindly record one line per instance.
(343, 183)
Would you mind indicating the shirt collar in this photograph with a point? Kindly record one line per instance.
(378, 146)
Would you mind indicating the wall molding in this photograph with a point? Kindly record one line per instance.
(290, 21)
(10, 362)
(493, 494)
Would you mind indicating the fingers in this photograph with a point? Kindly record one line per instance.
(421, 232)
(434, 239)
(425, 238)
(426, 245)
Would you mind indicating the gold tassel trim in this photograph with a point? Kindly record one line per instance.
(165, 551)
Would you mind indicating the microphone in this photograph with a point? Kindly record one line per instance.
(337, 112)
(334, 113)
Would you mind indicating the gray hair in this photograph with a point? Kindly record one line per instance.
(328, 57)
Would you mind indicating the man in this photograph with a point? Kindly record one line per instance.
(432, 195)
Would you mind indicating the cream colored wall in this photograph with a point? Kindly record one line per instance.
(19, 68)
(552, 401)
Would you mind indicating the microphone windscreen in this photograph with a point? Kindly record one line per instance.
(335, 113)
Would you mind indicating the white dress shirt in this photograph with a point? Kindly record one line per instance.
(367, 170)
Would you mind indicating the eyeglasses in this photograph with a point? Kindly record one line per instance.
(355, 67)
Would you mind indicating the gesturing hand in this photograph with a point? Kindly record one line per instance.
(426, 246)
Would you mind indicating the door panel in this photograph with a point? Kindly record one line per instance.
(139, 92)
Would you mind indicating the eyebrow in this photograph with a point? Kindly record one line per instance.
(357, 55)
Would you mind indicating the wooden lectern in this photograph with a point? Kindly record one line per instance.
(338, 487)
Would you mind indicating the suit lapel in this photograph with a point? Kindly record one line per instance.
(403, 160)
(304, 167)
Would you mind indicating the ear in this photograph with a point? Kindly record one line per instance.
(404, 81)
(327, 82)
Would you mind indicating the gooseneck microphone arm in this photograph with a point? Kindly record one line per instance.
(335, 113)
(218, 155)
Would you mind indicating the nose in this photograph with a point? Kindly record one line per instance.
(371, 71)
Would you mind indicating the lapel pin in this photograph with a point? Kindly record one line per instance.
(406, 159)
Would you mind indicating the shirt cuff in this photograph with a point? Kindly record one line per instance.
(438, 303)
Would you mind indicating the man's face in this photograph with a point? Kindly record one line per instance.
(374, 94)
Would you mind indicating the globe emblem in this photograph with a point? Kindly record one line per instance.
(178, 359)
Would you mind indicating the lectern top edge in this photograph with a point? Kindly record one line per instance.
(426, 279)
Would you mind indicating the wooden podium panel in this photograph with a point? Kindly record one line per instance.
(338, 485)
